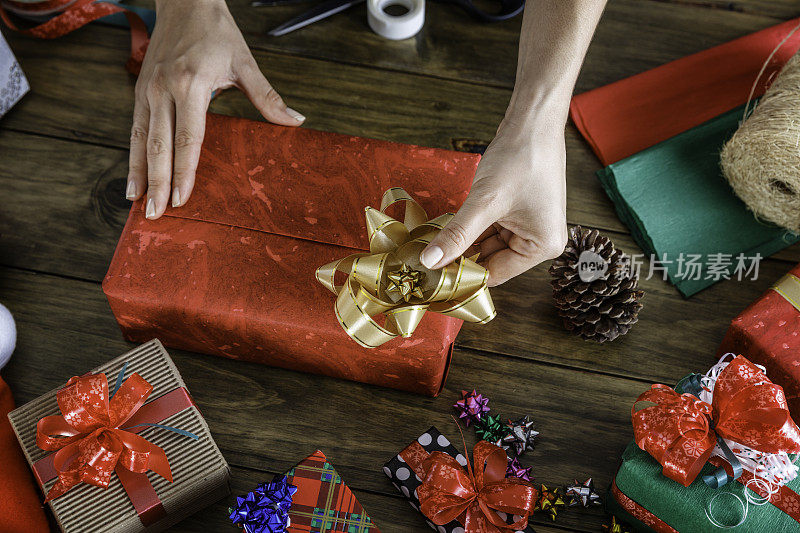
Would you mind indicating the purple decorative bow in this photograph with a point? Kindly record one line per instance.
(266, 509)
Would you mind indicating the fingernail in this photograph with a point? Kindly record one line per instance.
(150, 212)
(130, 192)
(430, 256)
(295, 115)
(176, 197)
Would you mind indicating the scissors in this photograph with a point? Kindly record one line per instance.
(508, 9)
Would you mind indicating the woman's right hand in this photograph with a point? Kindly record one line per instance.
(196, 49)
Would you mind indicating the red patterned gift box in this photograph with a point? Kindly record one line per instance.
(768, 331)
(232, 273)
(323, 503)
(136, 498)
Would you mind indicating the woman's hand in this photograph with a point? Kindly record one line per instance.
(515, 213)
(196, 49)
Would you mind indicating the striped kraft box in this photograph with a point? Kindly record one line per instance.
(200, 473)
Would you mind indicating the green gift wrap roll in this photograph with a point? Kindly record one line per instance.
(675, 201)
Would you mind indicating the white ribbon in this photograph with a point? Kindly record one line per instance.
(777, 469)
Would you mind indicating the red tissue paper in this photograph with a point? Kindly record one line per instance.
(627, 116)
(232, 272)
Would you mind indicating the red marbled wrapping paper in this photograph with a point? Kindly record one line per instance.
(232, 272)
(768, 333)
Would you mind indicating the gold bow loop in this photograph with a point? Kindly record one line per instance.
(391, 281)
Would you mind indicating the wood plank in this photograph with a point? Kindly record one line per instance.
(77, 105)
(783, 9)
(632, 36)
(267, 419)
(65, 217)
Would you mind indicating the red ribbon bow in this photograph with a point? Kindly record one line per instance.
(680, 431)
(88, 437)
(474, 496)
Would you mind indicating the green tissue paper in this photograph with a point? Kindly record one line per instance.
(676, 203)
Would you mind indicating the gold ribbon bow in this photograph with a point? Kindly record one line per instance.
(390, 280)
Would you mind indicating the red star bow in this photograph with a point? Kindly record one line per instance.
(473, 496)
(88, 437)
(680, 431)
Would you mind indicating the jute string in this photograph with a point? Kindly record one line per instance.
(762, 159)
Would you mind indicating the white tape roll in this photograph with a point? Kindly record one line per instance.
(396, 27)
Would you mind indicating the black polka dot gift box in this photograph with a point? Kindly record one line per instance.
(405, 471)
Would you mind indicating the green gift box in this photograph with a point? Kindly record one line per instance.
(646, 500)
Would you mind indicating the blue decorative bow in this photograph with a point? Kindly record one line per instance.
(266, 509)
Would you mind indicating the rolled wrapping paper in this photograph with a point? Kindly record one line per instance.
(396, 27)
(390, 280)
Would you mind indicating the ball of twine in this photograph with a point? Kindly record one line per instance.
(762, 159)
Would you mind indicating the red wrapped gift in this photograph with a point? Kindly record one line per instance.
(232, 272)
(768, 333)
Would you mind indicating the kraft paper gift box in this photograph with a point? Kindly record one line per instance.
(405, 468)
(200, 473)
(768, 331)
(232, 273)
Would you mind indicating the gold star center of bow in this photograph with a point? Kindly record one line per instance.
(405, 282)
(384, 282)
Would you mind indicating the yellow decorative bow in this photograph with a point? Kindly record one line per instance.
(391, 280)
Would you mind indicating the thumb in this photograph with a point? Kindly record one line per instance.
(453, 240)
(266, 98)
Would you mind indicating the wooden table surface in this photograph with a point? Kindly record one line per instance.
(63, 165)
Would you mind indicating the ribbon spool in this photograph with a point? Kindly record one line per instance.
(396, 27)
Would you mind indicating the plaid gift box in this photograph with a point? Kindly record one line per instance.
(403, 470)
(323, 503)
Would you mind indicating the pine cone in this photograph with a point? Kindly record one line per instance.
(601, 309)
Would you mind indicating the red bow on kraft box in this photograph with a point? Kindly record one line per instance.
(92, 442)
(475, 495)
(680, 431)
